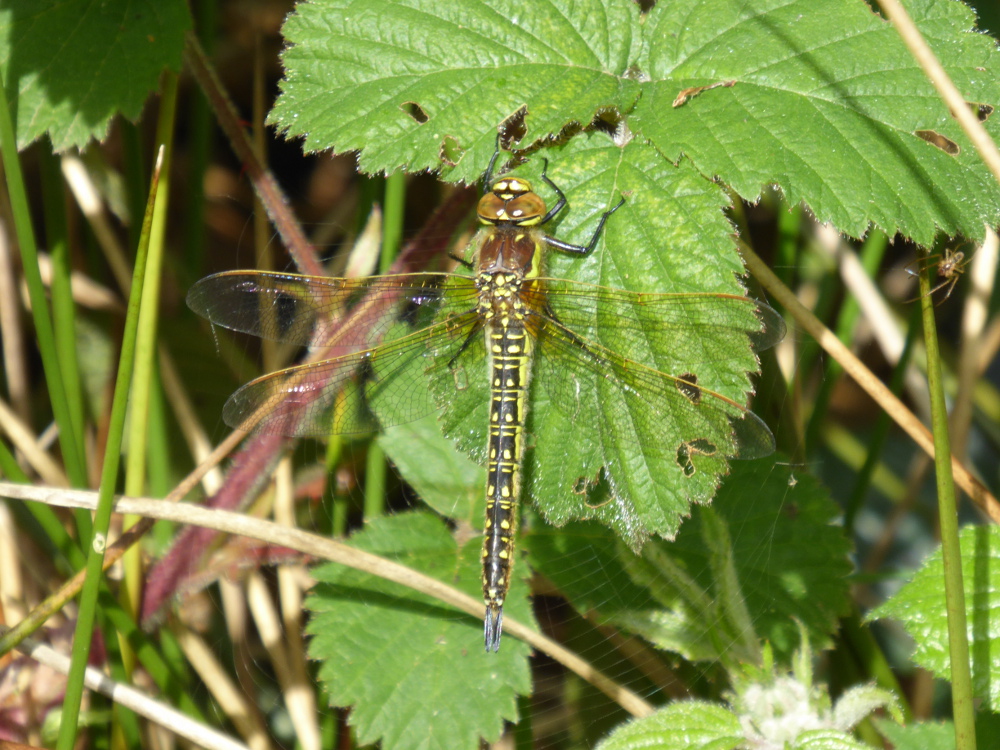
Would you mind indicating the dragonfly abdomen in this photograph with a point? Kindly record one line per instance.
(510, 350)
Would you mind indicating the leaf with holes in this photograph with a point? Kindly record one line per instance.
(421, 85)
(817, 97)
(765, 555)
(619, 431)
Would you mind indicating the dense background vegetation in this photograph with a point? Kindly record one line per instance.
(763, 602)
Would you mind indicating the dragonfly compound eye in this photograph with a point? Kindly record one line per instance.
(518, 208)
(526, 207)
(492, 208)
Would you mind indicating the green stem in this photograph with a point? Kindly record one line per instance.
(102, 518)
(375, 473)
(392, 219)
(70, 442)
(339, 505)
(63, 307)
(961, 677)
(392, 233)
(146, 351)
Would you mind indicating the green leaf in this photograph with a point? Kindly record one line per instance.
(938, 735)
(649, 493)
(789, 561)
(818, 97)
(446, 480)
(687, 725)
(858, 702)
(792, 559)
(354, 84)
(390, 652)
(74, 64)
(826, 104)
(920, 607)
(361, 75)
(827, 739)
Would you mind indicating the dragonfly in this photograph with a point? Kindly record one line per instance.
(496, 331)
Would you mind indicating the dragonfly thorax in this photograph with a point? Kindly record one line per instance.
(511, 201)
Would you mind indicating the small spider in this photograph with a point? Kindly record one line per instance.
(949, 267)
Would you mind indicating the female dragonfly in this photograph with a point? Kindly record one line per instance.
(411, 342)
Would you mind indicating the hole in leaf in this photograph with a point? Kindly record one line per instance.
(942, 142)
(702, 447)
(461, 377)
(597, 489)
(608, 120)
(635, 73)
(684, 460)
(979, 109)
(415, 111)
(686, 452)
(687, 384)
(512, 129)
(450, 151)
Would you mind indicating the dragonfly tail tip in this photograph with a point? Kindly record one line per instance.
(492, 626)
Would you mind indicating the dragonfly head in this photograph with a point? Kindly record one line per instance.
(511, 201)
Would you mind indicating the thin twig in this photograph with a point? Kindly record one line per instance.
(922, 53)
(55, 601)
(330, 549)
(270, 193)
(974, 317)
(866, 379)
(159, 713)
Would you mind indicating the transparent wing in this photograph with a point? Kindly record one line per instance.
(336, 396)
(670, 416)
(430, 334)
(344, 394)
(674, 326)
(288, 307)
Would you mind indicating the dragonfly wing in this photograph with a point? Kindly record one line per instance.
(355, 393)
(665, 414)
(674, 328)
(287, 307)
(459, 383)
(627, 445)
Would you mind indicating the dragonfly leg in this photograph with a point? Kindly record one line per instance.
(561, 203)
(589, 247)
(600, 226)
(488, 176)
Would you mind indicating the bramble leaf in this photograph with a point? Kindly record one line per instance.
(390, 652)
(71, 65)
(920, 607)
(817, 97)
